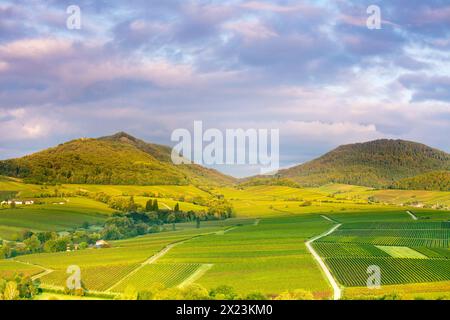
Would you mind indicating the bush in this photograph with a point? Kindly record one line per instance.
(298, 294)
(223, 293)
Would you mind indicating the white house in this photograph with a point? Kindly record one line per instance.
(102, 244)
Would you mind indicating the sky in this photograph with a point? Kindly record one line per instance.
(312, 69)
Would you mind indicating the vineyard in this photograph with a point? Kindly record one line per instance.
(421, 234)
(352, 272)
(97, 278)
(405, 252)
(169, 275)
(336, 250)
(9, 268)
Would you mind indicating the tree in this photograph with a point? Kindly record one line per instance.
(131, 204)
(298, 294)
(149, 205)
(33, 244)
(27, 288)
(11, 292)
(223, 293)
(5, 251)
(155, 205)
(83, 245)
(58, 245)
(198, 216)
(130, 293)
(172, 219)
(177, 208)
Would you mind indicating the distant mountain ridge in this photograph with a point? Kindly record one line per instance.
(117, 159)
(378, 164)
(124, 159)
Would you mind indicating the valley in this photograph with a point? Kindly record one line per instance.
(260, 250)
(158, 231)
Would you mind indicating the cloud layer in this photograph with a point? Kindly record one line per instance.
(310, 68)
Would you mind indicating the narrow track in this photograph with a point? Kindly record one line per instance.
(336, 289)
(413, 216)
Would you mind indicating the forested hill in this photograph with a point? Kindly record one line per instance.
(378, 163)
(118, 159)
(436, 181)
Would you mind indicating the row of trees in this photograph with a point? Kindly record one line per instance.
(197, 292)
(48, 242)
(135, 223)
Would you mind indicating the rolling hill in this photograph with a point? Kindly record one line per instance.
(376, 164)
(118, 159)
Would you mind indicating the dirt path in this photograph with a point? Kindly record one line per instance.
(165, 205)
(45, 271)
(328, 218)
(164, 251)
(413, 216)
(151, 260)
(336, 289)
(196, 275)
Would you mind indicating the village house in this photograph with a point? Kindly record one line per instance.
(102, 244)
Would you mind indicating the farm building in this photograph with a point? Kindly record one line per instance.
(102, 244)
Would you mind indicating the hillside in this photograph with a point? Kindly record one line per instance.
(377, 164)
(433, 181)
(118, 159)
